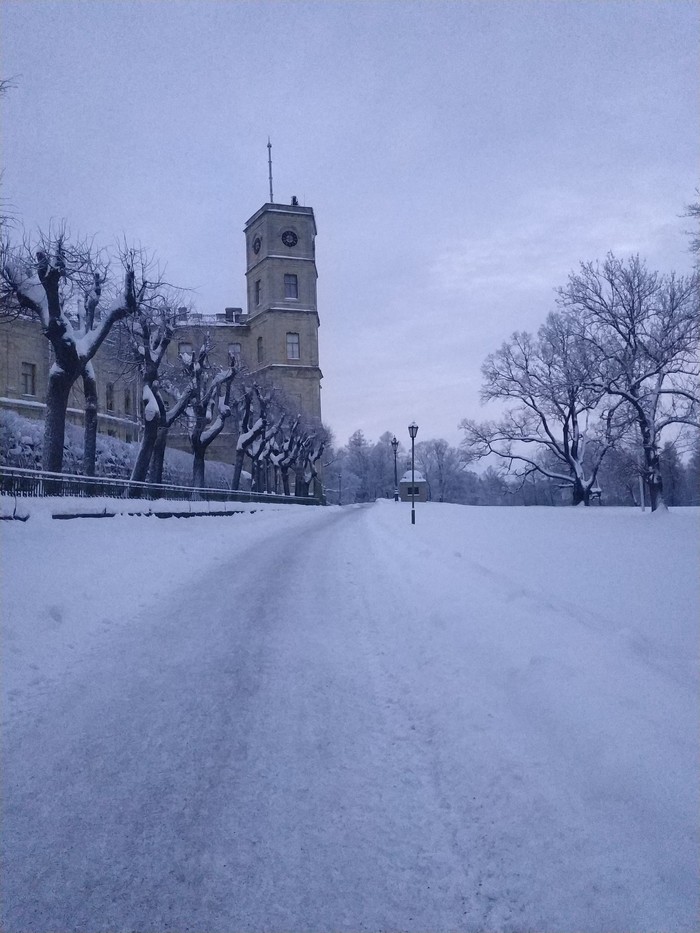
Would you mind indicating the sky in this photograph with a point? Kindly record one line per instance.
(461, 159)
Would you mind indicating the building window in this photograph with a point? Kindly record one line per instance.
(234, 350)
(291, 286)
(109, 397)
(111, 432)
(28, 375)
(260, 350)
(293, 346)
(128, 437)
(184, 348)
(127, 402)
(258, 292)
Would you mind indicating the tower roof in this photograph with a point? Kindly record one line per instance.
(282, 209)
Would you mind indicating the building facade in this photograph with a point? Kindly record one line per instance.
(275, 338)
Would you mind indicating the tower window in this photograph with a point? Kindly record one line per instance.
(28, 374)
(234, 350)
(291, 286)
(260, 350)
(258, 292)
(293, 346)
(109, 397)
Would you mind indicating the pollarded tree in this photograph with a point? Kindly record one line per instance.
(310, 453)
(289, 451)
(209, 407)
(556, 426)
(40, 282)
(149, 337)
(640, 330)
(150, 333)
(251, 430)
(266, 445)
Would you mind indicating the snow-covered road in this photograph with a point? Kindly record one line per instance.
(337, 721)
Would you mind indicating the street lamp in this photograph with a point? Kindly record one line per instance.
(395, 445)
(413, 430)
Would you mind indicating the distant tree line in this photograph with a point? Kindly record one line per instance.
(362, 471)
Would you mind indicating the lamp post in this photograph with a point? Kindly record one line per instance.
(395, 445)
(413, 430)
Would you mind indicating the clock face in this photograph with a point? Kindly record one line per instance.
(289, 238)
(257, 243)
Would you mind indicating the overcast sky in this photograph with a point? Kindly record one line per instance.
(461, 158)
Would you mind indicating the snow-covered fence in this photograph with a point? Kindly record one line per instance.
(16, 481)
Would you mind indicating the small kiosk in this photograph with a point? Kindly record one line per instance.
(420, 487)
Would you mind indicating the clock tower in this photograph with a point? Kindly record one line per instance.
(281, 294)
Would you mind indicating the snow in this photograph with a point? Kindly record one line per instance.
(151, 410)
(419, 478)
(244, 439)
(330, 719)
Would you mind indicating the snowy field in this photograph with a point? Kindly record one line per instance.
(327, 719)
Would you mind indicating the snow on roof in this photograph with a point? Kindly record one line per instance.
(419, 478)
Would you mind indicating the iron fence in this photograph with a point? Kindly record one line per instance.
(18, 482)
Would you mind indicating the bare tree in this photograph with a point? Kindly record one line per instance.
(693, 211)
(310, 452)
(251, 431)
(209, 405)
(640, 330)
(149, 335)
(557, 411)
(41, 282)
(289, 451)
(442, 467)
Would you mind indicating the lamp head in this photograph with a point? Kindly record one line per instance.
(394, 444)
(413, 429)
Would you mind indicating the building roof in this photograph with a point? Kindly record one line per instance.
(419, 478)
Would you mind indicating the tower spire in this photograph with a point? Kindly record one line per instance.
(269, 167)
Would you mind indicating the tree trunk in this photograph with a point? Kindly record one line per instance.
(285, 481)
(55, 423)
(158, 456)
(90, 428)
(237, 470)
(652, 469)
(656, 493)
(199, 453)
(148, 442)
(580, 493)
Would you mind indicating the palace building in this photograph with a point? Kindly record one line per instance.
(275, 337)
